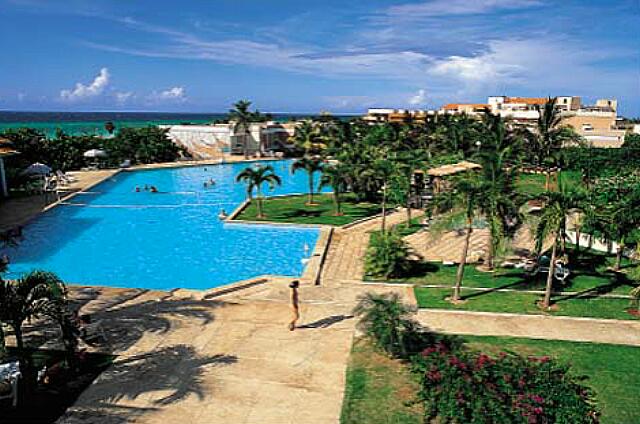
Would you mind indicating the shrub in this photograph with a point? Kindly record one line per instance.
(388, 256)
(467, 387)
(387, 321)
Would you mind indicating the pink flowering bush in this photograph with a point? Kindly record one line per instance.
(459, 386)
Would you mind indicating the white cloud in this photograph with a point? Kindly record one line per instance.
(174, 94)
(123, 96)
(81, 91)
(412, 11)
(419, 98)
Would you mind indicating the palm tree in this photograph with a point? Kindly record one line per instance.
(255, 177)
(29, 297)
(552, 224)
(549, 137)
(242, 118)
(379, 175)
(467, 196)
(336, 177)
(310, 166)
(615, 210)
(310, 136)
(499, 159)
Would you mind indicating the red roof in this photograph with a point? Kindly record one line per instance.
(527, 100)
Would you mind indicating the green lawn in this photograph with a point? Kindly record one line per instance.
(589, 277)
(524, 303)
(580, 280)
(533, 184)
(378, 388)
(292, 209)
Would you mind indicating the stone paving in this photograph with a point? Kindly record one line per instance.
(532, 326)
(447, 247)
(18, 211)
(189, 357)
(345, 259)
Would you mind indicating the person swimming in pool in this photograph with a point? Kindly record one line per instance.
(153, 189)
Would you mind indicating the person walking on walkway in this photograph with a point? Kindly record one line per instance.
(295, 308)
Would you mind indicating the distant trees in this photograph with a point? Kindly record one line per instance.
(65, 152)
(141, 145)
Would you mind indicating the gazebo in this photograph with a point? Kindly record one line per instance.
(6, 150)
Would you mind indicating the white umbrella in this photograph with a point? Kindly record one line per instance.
(37, 169)
(95, 153)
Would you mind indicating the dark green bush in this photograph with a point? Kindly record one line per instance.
(388, 256)
(388, 323)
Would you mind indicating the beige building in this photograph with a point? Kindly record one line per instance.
(597, 124)
(379, 115)
(598, 128)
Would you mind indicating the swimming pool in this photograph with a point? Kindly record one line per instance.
(115, 236)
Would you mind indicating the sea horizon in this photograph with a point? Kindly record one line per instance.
(92, 123)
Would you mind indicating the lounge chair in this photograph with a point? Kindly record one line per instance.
(9, 376)
(126, 163)
(64, 178)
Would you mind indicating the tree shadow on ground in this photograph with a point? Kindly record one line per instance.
(126, 317)
(155, 379)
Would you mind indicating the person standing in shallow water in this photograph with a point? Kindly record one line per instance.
(295, 308)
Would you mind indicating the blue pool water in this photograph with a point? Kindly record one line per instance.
(114, 236)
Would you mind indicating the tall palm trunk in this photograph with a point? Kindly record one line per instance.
(552, 266)
(490, 254)
(336, 201)
(619, 255)
(310, 188)
(408, 205)
(245, 145)
(547, 180)
(259, 203)
(384, 209)
(463, 261)
(17, 330)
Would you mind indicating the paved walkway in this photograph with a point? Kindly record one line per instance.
(532, 326)
(345, 259)
(18, 211)
(229, 359)
(448, 246)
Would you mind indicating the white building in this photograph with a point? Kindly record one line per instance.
(215, 140)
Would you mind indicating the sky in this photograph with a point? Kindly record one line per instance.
(310, 56)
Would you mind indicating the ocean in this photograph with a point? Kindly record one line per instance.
(77, 123)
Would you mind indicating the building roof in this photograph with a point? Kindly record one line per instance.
(6, 148)
(455, 106)
(452, 169)
(526, 100)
